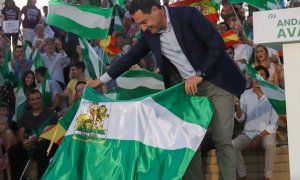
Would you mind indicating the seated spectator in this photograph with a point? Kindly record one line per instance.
(261, 122)
(55, 89)
(20, 64)
(8, 139)
(28, 81)
(6, 135)
(262, 59)
(78, 93)
(4, 111)
(7, 95)
(79, 76)
(32, 124)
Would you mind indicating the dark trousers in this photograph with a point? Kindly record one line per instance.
(19, 156)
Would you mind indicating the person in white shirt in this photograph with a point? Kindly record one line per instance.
(261, 122)
(55, 61)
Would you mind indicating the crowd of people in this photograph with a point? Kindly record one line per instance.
(63, 61)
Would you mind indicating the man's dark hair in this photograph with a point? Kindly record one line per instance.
(19, 46)
(144, 5)
(79, 65)
(230, 47)
(41, 70)
(262, 68)
(78, 83)
(33, 91)
(227, 26)
(4, 105)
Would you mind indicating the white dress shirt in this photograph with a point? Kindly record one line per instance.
(258, 113)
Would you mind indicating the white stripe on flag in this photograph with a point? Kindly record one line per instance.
(132, 83)
(273, 94)
(150, 117)
(85, 18)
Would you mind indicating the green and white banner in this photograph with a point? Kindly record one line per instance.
(154, 137)
(275, 94)
(86, 21)
(21, 102)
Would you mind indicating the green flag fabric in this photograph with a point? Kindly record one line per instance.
(260, 4)
(46, 91)
(21, 102)
(137, 83)
(275, 94)
(94, 64)
(118, 26)
(6, 69)
(27, 49)
(154, 137)
(37, 60)
(86, 21)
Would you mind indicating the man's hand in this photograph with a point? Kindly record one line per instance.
(94, 83)
(30, 142)
(256, 142)
(191, 84)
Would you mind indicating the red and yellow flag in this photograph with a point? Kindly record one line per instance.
(109, 45)
(54, 132)
(230, 38)
(207, 8)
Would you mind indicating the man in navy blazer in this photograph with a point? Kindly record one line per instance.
(188, 48)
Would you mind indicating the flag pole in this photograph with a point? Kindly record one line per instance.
(25, 169)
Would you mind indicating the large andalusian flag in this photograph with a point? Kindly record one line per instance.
(275, 94)
(86, 21)
(148, 138)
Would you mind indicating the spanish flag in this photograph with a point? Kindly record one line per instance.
(206, 7)
(54, 133)
(230, 38)
(109, 45)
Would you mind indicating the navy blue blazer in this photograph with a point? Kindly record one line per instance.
(200, 42)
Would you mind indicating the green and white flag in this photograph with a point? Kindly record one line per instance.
(37, 60)
(118, 26)
(46, 91)
(21, 102)
(6, 69)
(86, 21)
(27, 49)
(137, 83)
(94, 64)
(260, 4)
(272, 4)
(275, 94)
(154, 137)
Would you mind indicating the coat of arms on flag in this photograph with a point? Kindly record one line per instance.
(92, 125)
